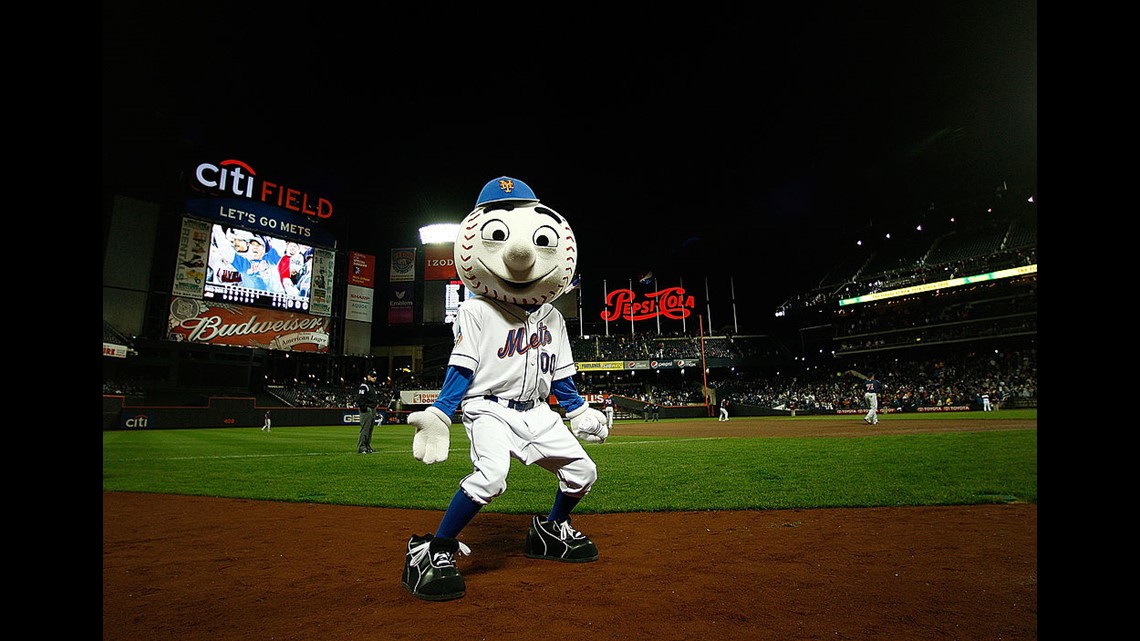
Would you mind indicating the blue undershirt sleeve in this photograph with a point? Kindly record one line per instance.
(567, 394)
(455, 384)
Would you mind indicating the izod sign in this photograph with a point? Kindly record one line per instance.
(439, 262)
(674, 303)
(236, 178)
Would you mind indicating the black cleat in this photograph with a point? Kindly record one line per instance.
(429, 568)
(558, 541)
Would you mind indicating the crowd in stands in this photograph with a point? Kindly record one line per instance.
(959, 378)
(975, 312)
(1010, 378)
(869, 278)
(312, 394)
(953, 306)
(958, 375)
(673, 346)
(114, 336)
(121, 388)
(963, 331)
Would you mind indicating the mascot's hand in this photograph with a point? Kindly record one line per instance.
(588, 424)
(433, 435)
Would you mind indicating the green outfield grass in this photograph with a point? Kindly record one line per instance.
(637, 473)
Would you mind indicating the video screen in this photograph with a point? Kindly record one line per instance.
(454, 293)
(247, 268)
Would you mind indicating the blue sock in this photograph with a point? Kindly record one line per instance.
(458, 515)
(563, 505)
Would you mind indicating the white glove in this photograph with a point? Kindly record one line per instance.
(588, 424)
(433, 435)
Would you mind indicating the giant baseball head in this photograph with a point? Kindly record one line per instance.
(513, 248)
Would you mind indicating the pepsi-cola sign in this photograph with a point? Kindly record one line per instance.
(673, 303)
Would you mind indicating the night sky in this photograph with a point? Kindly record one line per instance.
(758, 143)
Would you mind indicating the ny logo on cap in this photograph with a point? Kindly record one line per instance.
(504, 188)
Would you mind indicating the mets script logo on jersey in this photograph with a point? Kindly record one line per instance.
(519, 343)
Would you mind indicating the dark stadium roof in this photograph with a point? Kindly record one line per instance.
(717, 140)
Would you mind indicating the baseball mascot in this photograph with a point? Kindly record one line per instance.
(511, 353)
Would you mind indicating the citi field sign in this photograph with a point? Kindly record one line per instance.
(237, 178)
(672, 302)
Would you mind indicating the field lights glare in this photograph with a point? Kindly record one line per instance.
(439, 233)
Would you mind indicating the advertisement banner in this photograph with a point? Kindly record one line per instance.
(403, 267)
(361, 269)
(359, 304)
(208, 323)
(624, 304)
(602, 366)
(262, 218)
(401, 303)
(135, 420)
(320, 302)
(599, 366)
(190, 268)
(439, 262)
(419, 396)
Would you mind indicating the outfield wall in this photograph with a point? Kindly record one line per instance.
(245, 412)
(118, 414)
(222, 412)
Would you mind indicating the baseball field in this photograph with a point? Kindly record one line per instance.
(921, 527)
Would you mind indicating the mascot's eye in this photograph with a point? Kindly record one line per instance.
(495, 230)
(545, 237)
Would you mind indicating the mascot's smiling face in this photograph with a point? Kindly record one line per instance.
(516, 250)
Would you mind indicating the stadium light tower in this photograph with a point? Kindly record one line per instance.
(439, 233)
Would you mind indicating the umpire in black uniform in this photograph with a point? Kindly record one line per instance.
(367, 398)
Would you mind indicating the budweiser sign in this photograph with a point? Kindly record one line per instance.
(195, 321)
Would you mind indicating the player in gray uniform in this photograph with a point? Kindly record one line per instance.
(608, 408)
(872, 387)
(511, 354)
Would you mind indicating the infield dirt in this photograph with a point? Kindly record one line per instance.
(198, 569)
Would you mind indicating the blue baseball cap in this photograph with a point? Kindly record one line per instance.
(505, 188)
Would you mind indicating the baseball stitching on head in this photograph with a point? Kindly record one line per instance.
(473, 263)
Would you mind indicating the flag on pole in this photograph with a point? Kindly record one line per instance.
(646, 278)
(605, 296)
(684, 326)
(632, 332)
(732, 288)
(657, 291)
(708, 304)
(576, 284)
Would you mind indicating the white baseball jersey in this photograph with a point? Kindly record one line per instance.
(515, 355)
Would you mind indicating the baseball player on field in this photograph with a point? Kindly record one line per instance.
(511, 353)
(872, 387)
(608, 410)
